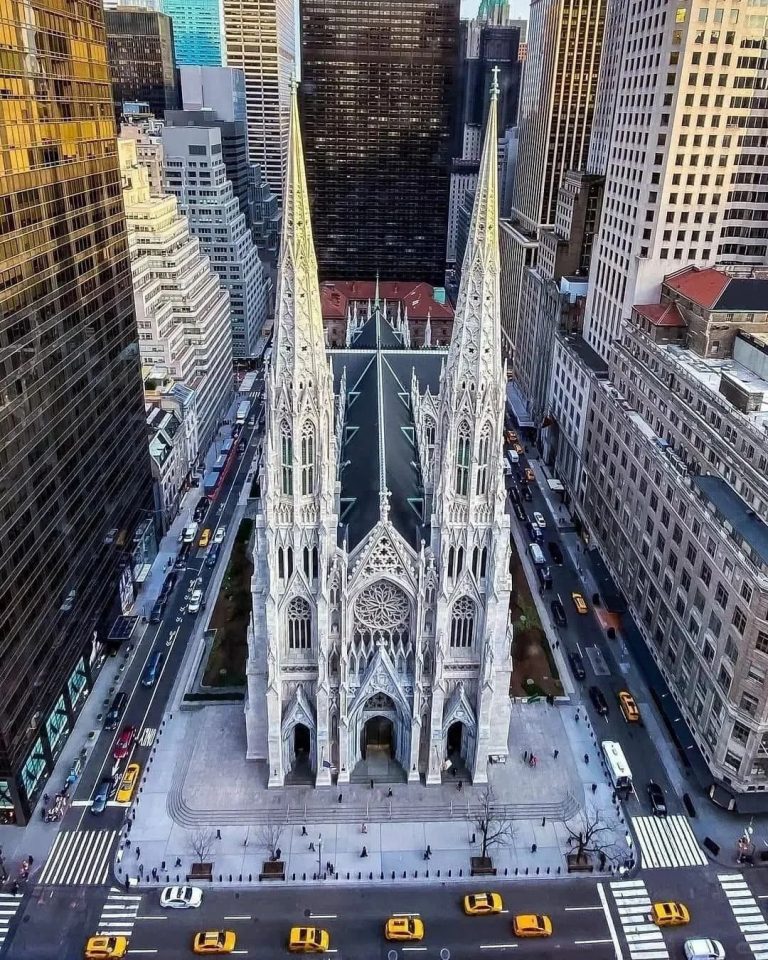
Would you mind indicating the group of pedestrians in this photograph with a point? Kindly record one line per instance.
(530, 758)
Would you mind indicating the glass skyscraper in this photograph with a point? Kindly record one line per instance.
(75, 482)
(196, 31)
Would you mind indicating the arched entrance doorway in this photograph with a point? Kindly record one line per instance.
(455, 740)
(378, 739)
(302, 743)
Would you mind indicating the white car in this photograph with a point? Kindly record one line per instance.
(195, 599)
(704, 950)
(221, 532)
(539, 520)
(181, 898)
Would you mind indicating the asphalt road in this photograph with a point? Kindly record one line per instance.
(584, 915)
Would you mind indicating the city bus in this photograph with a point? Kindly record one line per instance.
(243, 410)
(246, 384)
(618, 768)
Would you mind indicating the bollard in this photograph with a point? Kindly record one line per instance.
(537, 871)
(427, 874)
(162, 865)
(314, 876)
(547, 870)
(336, 876)
(230, 878)
(558, 869)
(461, 872)
(304, 876)
(526, 871)
(505, 871)
(250, 877)
(177, 878)
(415, 874)
(438, 873)
(220, 878)
(382, 875)
(241, 878)
(359, 875)
(393, 874)
(449, 873)
(516, 870)
(347, 874)
(370, 875)
(403, 874)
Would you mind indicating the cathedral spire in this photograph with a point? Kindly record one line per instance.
(299, 340)
(376, 298)
(475, 352)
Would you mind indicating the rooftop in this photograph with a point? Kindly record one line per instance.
(716, 290)
(746, 524)
(660, 314)
(589, 357)
(418, 298)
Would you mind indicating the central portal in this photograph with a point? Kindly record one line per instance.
(378, 739)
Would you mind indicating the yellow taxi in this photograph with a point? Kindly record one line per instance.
(579, 602)
(670, 914)
(106, 948)
(205, 538)
(532, 925)
(404, 928)
(214, 941)
(308, 940)
(128, 783)
(476, 904)
(629, 707)
(530, 476)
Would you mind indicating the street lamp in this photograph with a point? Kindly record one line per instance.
(319, 855)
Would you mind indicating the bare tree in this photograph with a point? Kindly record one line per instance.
(494, 829)
(201, 843)
(592, 834)
(270, 833)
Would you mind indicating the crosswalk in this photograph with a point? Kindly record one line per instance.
(633, 904)
(667, 842)
(9, 905)
(748, 915)
(79, 857)
(119, 913)
(147, 737)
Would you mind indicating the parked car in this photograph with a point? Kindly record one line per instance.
(123, 742)
(200, 510)
(181, 898)
(545, 577)
(212, 556)
(598, 700)
(526, 494)
(190, 533)
(534, 531)
(221, 532)
(514, 495)
(518, 511)
(658, 801)
(530, 476)
(158, 609)
(538, 518)
(195, 601)
(555, 552)
(116, 711)
(168, 586)
(558, 612)
(577, 665)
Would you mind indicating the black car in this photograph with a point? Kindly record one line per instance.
(157, 610)
(201, 508)
(514, 496)
(577, 665)
(527, 495)
(555, 552)
(656, 796)
(170, 583)
(534, 531)
(518, 511)
(213, 555)
(545, 577)
(558, 612)
(598, 701)
(100, 798)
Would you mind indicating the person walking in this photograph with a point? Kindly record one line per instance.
(364, 853)
(586, 758)
(364, 828)
(555, 754)
(304, 830)
(389, 792)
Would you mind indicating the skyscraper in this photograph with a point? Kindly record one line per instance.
(376, 114)
(555, 121)
(260, 38)
(74, 468)
(141, 59)
(196, 31)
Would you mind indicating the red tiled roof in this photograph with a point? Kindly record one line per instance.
(703, 287)
(418, 297)
(660, 314)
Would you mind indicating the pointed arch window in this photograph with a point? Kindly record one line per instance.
(307, 459)
(483, 457)
(286, 458)
(463, 623)
(430, 433)
(299, 624)
(463, 459)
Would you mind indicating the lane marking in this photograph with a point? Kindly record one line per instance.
(596, 907)
(142, 951)
(232, 918)
(580, 943)
(405, 914)
(415, 949)
(152, 918)
(609, 921)
(322, 916)
(499, 946)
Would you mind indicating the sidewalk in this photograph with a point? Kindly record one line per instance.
(181, 797)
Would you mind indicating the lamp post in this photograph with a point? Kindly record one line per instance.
(319, 855)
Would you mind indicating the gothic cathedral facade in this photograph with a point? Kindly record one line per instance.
(379, 641)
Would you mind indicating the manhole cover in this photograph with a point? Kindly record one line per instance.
(445, 954)
(391, 954)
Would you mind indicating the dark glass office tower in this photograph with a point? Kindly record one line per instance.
(376, 99)
(75, 480)
(142, 59)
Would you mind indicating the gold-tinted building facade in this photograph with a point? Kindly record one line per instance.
(74, 469)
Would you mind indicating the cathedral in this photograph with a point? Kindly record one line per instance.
(379, 645)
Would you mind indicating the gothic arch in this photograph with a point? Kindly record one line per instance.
(308, 454)
(483, 460)
(463, 457)
(463, 623)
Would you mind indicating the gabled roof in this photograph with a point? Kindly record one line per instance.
(377, 331)
(716, 290)
(419, 298)
(660, 314)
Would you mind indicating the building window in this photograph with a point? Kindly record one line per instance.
(286, 456)
(749, 704)
(761, 643)
(307, 459)
(463, 457)
(739, 620)
(721, 596)
(746, 592)
(299, 624)
(740, 733)
(483, 457)
(463, 623)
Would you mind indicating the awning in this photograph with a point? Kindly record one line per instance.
(142, 573)
(122, 629)
(610, 593)
(555, 484)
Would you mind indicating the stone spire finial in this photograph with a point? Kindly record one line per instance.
(376, 296)
(428, 330)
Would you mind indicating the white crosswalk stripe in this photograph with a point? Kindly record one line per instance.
(119, 913)
(667, 842)
(147, 737)
(9, 905)
(748, 915)
(79, 857)
(633, 904)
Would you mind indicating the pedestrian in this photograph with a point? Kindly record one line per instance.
(30, 860)
(178, 862)
(389, 792)
(341, 797)
(333, 870)
(555, 754)
(371, 783)
(138, 852)
(15, 887)
(426, 854)
(459, 785)
(576, 718)
(278, 852)
(534, 848)
(312, 846)
(543, 821)
(429, 850)
(127, 883)
(304, 830)
(364, 828)
(594, 787)
(141, 869)
(154, 873)
(364, 853)
(24, 865)
(218, 833)
(473, 838)
(586, 758)
(128, 844)
(46, 798)
(525, 756)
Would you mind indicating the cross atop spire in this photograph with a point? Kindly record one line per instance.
(495, 84)
(376, 297)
